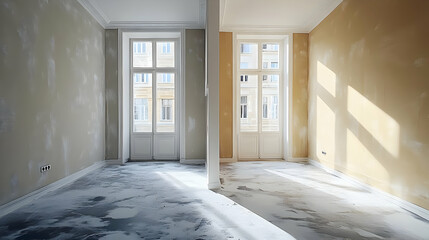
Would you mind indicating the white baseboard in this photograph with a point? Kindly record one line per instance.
(424, 213)
(26, 199)
(114, 162)
(227, 160)
(297, 160)
(193, 161)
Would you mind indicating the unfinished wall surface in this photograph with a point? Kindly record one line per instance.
(51, 93)
(111, 64)
(226, 115)
(195, 110)
(369, 95)
(300, 96)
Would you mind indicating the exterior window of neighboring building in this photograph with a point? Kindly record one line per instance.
(265, 107)
(141, 109)
(275, 78)
(264, 77)
(166, 109)
(244, 65)
(265, 65)
(166, 78)
(141, 78)
(166, 48)
(244, 78)
(139, 47)
(244, 107)
(274, 65)
(274, 107)
(245, 48)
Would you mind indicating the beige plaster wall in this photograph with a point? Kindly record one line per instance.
(300, 96)
(369, 95)
(51, 93)
(225, 95)
(195, 110)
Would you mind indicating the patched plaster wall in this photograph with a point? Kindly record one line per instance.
(51, 93)
(195, 110)
(369, 95)
(112, 118)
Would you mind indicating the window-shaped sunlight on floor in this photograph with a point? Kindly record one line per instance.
(325, 133)
(222, 212)
(361, 161)
(326, 78)
(379, 124)
(189, 179)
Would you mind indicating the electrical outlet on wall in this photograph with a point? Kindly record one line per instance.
(45, 168)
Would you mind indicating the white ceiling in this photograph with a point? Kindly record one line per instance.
(147, 13)
(235, 15)
(274, 15)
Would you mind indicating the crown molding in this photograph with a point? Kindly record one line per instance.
(94, 12)
(263, 28)
(150, 24)
(317, 19)
(104, 21)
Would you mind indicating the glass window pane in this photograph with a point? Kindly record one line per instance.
(165, 54)
(270, 56)
(249, 103)
(270, 96)
(142, 102)
(249, 56)
(165, 102)
(142, 54)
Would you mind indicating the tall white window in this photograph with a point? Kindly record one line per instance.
(141, 109)
(244, 107)
(167, 105)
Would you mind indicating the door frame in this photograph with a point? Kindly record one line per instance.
(287, 40)
(124, 136)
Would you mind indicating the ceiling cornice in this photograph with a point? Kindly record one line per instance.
(104, 21)
(317, 19)
(94, 13)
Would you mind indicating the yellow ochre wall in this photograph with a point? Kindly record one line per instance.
(369, 95)
(225, 95)
(300, 96)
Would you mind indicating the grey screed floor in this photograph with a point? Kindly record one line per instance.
(309, 203)
(167, 200)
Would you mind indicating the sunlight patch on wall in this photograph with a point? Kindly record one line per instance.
(325, 133)
(326, 78)
(380, 125)
(360, 160)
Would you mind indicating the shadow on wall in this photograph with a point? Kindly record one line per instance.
(366, 144)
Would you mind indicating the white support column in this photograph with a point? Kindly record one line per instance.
(212, 60)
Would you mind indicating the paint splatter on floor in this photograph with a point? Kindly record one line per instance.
(151, 200)
(311, 204)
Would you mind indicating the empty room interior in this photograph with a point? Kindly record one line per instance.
(214, 119)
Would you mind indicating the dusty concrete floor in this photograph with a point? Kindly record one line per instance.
(154, 200)
(311, 204)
